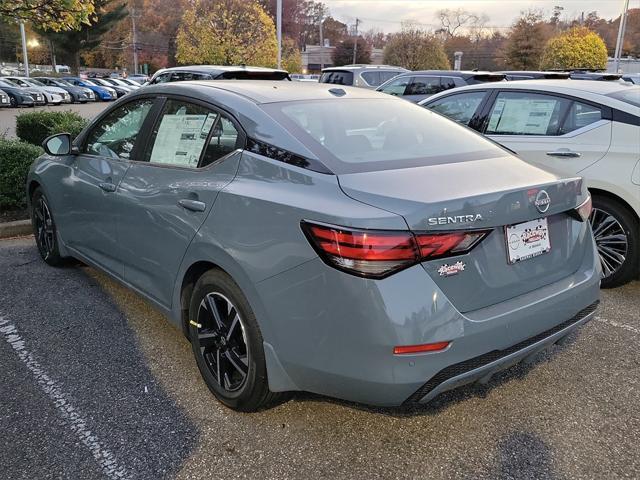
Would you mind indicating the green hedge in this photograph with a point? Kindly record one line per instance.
(34, 127)
(15, 159)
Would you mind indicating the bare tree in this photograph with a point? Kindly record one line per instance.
(452, 20)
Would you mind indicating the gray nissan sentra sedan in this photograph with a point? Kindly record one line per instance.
(331, 240)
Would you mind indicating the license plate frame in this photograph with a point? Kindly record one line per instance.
(527, 240)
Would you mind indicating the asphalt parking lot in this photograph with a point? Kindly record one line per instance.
(8, 115)
(96, 384)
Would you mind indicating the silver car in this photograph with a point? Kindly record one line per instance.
(364, 76)
(326, 239)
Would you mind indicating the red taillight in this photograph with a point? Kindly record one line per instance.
(378, 253)
(427, 347)
(584, 209)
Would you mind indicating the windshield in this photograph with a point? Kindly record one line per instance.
(89, 82)
(631, 96)
(33, 81)
(355, 135)
(62, 83)
(8, 83)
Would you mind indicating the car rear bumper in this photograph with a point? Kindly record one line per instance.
(332, 333)
(483, 367)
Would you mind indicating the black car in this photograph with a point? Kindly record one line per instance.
(416, 86)
(78, 94)
(535, 75)
(217, 72)
(20, 97)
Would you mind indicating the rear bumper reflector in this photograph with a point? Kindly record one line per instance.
(427, 347)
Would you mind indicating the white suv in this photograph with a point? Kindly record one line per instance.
(574, 127)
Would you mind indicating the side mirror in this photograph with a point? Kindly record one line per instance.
(58, 145)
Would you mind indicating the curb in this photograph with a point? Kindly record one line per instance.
(15, 229)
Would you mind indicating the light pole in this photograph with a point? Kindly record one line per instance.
(135, 41)
(355, 42)
(279, 31)
(25, 57)
(623, 25)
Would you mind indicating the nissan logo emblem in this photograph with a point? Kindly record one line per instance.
(542, 201)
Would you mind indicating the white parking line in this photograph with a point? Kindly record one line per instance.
(624, 326)
(104, 457)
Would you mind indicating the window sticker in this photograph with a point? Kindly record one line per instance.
(180, 139)
(526, 116)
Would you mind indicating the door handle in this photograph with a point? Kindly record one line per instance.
(107, 186)
(193, 205)
(564, 153)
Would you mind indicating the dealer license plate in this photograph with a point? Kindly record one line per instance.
(527, 240)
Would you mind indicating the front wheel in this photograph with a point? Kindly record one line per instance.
(44, 229)
(227, 344)
(617, 236)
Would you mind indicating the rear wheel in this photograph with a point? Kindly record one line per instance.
(227, 344)
(617, 236)
(44, 229)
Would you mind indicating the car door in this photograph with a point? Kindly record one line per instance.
(558, 133)
(192, 153)
(90, 213)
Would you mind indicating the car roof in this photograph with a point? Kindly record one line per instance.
(271, 91)
(219, 69)
(364, 66)
(601, 88)
(581, 88)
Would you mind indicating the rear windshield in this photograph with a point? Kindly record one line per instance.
(337, 77)
(357, 135)
(247, 75)
(631, 95)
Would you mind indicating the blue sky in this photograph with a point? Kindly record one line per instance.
(386, 15)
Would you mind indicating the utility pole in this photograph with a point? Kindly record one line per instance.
(355, 42)
(135, 40)
(279, 31)
(25, 56)
(623, 25)
(321, 43)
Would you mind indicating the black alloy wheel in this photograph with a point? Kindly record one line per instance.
(222, 341)
(44, 229)
(227, 344)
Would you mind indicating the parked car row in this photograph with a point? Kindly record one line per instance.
(18, 91)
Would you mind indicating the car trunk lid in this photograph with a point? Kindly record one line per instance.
(484, 195)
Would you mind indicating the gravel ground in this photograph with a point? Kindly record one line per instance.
(96, 384)
(8, 115)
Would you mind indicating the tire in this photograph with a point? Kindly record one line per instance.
(44, 229)
(617, 235)
(234, 344)
(13, 102)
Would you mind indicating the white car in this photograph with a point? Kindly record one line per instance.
(54, 95)
(574, 127)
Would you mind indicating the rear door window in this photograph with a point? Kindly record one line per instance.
(422, 85)
(460, 107)
(337, 77)
(372, 78)
(189, 135)
(526, 113)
